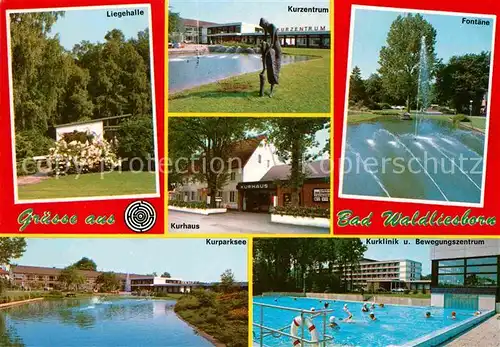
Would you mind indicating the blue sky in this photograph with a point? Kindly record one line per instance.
(453, 38)
(189, 259)
(92, 25)
(401, 251)
(275, 11)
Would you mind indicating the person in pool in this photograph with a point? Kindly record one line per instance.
(427, 314)
(477, 313)
(381, 305)
(333, 324)
(326, 305)
(345, 308)
(453, 315)
(364, 308)
(372, 306)
(372, 316)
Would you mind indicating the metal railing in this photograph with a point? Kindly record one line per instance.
(265, 331)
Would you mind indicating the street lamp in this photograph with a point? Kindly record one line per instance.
(470, 108)
(304, 283)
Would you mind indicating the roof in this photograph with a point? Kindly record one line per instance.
(3, 272)
(196, 23)
(53, 271)
(315, 169)
(93, 121)
(240, 152)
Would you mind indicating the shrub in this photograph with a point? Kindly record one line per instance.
(188, 204)
(77, 157)
(30, 143)
(136, 143)
(300, 211)
(384, 106)
(205, 297)
(78, 136)
(407, 291)
(415, 291)
(239, 313)
(187, 303)
(424, 291)
(460, 118)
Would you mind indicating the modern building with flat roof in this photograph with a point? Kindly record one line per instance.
(376, 275)
(196, 31)
(465, 274)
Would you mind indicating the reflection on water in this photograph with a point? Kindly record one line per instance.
(75, 322)
(443, 163)
(190, 71)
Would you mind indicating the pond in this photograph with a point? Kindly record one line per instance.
(186, 72)
(440, 163)
(96, 322)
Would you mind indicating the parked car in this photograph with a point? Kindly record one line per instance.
(397, 290)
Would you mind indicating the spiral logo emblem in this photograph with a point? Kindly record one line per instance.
(140, 216)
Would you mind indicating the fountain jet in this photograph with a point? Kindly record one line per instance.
(423, 89)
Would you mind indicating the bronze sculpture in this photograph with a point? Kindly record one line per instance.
(271, 56)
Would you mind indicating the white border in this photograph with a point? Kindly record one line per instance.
(346, 108)
(153, 100)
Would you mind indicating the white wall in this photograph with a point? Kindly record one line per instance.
(437, 300)
(94, 128)
(248, 28)
(253, 170)
(490, 247)
(487, 302)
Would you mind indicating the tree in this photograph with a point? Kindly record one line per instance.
(175, 25)
(166, 275)
(462, 79)
(85, 264)
(375, 89)
(357, 92)
(227, 281)
(108, 282)
(203, 147)
(399, 59)
(70, 277)
(292, 138)
(11, 248)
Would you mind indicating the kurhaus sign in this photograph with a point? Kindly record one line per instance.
(321, 195)
(303, 28)
(256, 185)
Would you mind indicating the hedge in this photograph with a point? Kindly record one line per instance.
(300, 211)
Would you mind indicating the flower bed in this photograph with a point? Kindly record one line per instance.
(303, 216)
(193, 207)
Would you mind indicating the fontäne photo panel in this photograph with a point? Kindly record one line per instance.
(413, 130)
(82, 117)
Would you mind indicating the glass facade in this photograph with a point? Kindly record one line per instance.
(468, 272)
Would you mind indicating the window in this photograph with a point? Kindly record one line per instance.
(192, 196)
(451, 280)
(451, 270)
(455, 262)
(268, 163)
(482, 261)
(481, 280)
(232, 196)
(233, 176)
(482, 269)
(259, 159)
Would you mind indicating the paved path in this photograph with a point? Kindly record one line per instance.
(486, 334)
(233, 222)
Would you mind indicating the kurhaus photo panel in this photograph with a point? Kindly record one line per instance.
(83, 119)
(259, 57)
(249, 175)
(417, 106)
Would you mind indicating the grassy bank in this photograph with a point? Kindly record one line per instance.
(355, 117)
(222, 316)
(87, 185)
(304, 87)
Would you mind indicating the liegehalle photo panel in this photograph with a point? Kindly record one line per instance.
(82, 103)
(417, 106)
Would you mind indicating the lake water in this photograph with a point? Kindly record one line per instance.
(395, 325)
(190, 71)
(441, 163)
(93, 322)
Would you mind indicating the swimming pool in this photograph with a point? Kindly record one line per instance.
(96, 322)
(395, 325)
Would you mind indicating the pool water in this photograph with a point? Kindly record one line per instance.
(395, 325)
(96, 322)
(190, 71)
(384, 158)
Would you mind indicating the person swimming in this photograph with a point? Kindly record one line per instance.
(453, 315)
(333, 325)
(372, 316)
(364, 308)
(345, 308)
(326, 305)
(427, 314)
(381, 305)
(477, 313)
(372, 306)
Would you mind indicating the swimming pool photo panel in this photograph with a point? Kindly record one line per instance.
(417, 106)
(375, 292)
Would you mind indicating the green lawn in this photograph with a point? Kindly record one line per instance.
(478, 122)
(304, 87)
(89, 185)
